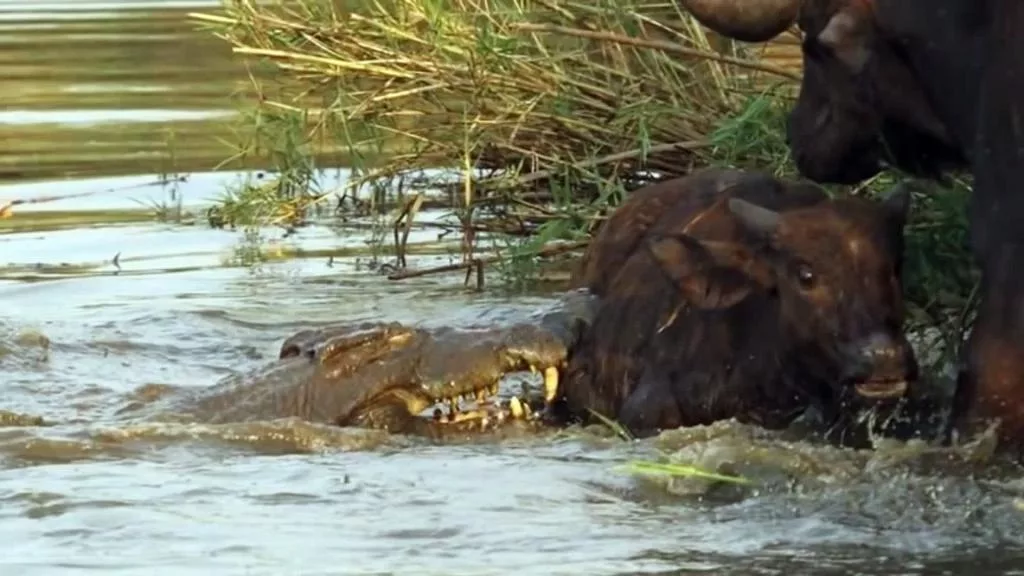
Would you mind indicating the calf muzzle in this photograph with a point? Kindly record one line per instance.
(880, 367)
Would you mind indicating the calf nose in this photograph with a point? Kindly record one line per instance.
(881, 366)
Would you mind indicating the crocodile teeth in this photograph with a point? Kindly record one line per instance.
(516, 407)
(493, 389)
(533, 369)
(550, 383)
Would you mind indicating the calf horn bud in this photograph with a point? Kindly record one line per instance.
(744, 20)
(759, 220)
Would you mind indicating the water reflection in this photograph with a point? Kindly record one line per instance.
(72, 117)
(113, 88)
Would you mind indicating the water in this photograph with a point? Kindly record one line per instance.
(91, 91)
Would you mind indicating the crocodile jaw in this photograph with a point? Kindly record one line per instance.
(407, 402)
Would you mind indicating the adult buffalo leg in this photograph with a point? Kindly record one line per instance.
(992, 382)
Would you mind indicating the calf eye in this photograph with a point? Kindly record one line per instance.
(805, 276)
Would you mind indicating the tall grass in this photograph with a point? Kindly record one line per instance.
(547, 111)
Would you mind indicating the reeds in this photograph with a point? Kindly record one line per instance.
(525, 88)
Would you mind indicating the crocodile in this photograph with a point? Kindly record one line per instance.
(395, 377)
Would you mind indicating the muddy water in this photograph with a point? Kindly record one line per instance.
(81, 331)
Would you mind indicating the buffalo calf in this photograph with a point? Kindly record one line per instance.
(729, 294)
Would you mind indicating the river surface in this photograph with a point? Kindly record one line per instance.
(102, 298)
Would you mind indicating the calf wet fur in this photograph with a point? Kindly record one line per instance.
(729, 294)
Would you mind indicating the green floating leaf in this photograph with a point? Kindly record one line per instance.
(679, 470)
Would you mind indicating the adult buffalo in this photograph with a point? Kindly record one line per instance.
(926, 86)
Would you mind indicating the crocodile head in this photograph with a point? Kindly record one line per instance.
(430, 381)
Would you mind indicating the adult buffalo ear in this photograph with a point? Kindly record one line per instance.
(709, 275)
(744, 20)
(848, 34)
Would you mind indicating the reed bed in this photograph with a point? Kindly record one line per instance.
(524, 89)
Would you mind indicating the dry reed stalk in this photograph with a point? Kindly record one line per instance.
(521, 86)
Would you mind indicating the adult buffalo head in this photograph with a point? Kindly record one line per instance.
(861, 105)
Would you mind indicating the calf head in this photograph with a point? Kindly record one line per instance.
(860, 102)
(830, 272)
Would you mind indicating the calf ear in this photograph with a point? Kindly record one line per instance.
(706, 280)
(848, 34)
